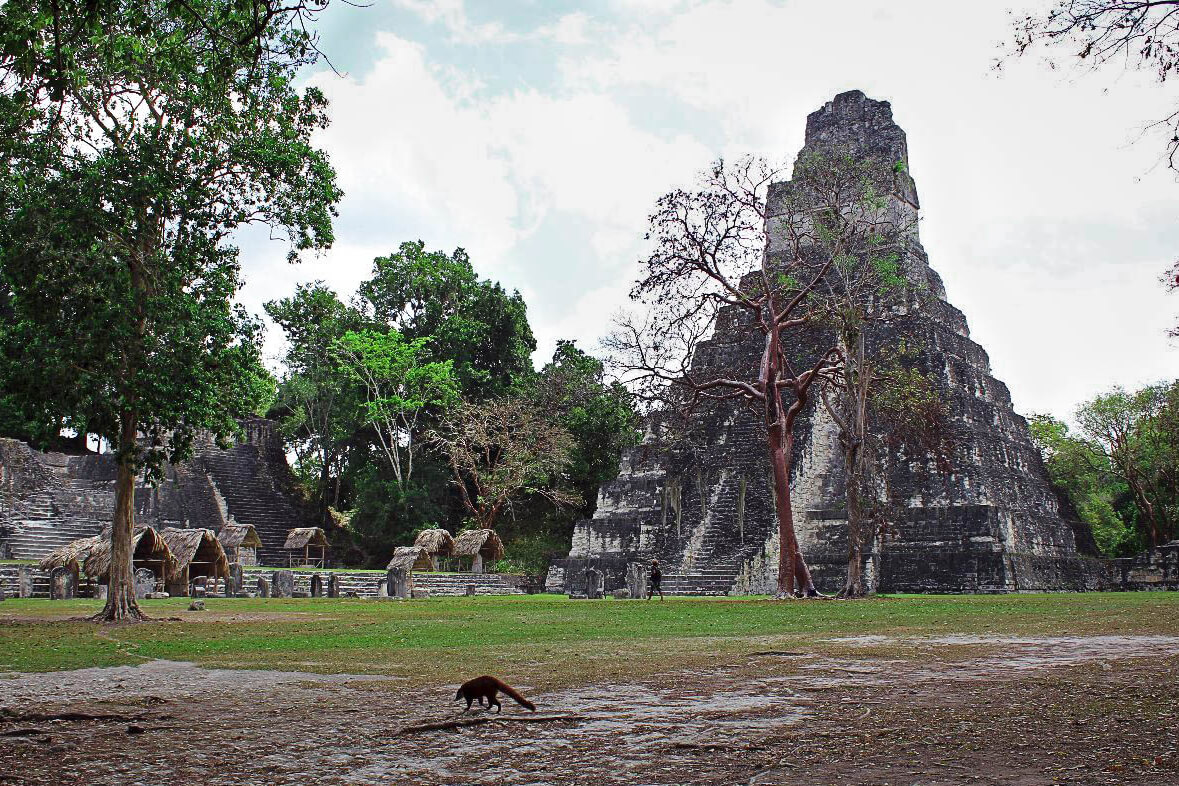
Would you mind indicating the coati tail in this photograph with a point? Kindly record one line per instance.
(510, 691)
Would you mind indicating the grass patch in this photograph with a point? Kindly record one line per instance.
(548, 638)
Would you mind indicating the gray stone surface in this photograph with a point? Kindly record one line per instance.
(145, 582)
(64, 584)
(196, 605)
(399, 583)
(316, 587)
(49, 499)
(263, 587)
(622, 594)
(282, 584)
(24, 580)
(236, 581)
(333, 586)
(705, 508)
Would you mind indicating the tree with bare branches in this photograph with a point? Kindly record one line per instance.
(772, 257)
(1133, 34)
(501, 449)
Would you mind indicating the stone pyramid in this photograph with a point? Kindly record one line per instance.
(990, 524)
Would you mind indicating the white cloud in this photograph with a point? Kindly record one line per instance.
(1047, 223)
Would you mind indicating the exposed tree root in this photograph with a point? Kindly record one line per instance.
(458, 723)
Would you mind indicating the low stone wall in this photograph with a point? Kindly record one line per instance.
(361, 583)
(1157, 569)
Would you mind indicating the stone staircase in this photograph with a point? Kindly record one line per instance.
(245, 483)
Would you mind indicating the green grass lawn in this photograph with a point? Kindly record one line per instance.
(549, 638)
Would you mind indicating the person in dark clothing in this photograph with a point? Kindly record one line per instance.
(656, 578)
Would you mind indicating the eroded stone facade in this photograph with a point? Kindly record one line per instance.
(992, 524)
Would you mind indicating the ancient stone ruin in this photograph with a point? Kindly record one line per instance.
(991, 524)
(50, 499)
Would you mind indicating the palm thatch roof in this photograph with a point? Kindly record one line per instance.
(410, 558)
(479, 541)
(305, 536)
(71, 555)
(235, 535)
(147, 545)
(436, 541)
(199, 546)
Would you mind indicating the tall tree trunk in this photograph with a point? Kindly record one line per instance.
(854, 586)
(120, 597)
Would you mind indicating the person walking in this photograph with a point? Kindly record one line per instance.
(656, 578)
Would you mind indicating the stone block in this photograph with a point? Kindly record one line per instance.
(421, 594)
(236, 581)
(621, 594)
(63, 584)
(282, 584)
(145, 582)
(383, 588)
(300, 594)
(24, 582)
(399, 582)
(196, 605)
(317, 586)
(158, 596)
(470, 590)
(263, 587)
(333, 586)
(100, 591)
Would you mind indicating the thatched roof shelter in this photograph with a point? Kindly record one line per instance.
(195, 552)
(234, 535)
(71, 555)
(479, 542)
(241, 543)
(411, 558)
(148, 549)
(312, 542)
(438, 542)
(302, 537)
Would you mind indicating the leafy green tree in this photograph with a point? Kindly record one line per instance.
(316, 398)
(399, 387)
(134, 140)
(1136, 436)
(1083, 476)
(470, 321)
(600, 416)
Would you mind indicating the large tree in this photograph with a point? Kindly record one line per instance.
(719, 247)
(502, 449)
(599, 415)
(135, 138)
(399, 388)
(1136, 436)
(470, 321)
(317, 397)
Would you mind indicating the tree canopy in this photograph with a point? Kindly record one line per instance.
(135, 140)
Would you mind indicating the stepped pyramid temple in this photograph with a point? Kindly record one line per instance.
(992, 523)
(50, 499)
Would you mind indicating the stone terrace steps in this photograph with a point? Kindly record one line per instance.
(365, 585)
(245, 484)
(709, 581)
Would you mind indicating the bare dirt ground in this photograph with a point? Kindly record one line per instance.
(867, 710)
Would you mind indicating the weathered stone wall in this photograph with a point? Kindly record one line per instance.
(992, 524)
(49, 499)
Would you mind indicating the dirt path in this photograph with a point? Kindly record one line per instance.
(872, 710)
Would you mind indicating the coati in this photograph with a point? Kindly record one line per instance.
(486, 687)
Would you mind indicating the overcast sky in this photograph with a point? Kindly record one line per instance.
(537, 134)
